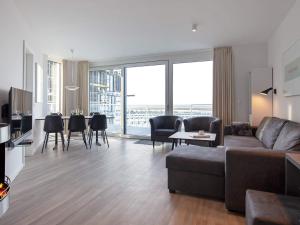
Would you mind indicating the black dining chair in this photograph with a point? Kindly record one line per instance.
(53, 124)
(98, 123)
(76, 124)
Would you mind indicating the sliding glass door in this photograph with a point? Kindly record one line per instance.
(145, 97)
(106, 96)
(192, 89)
(133, 93)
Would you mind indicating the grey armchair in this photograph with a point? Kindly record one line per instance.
(164, 126)
(206, 123)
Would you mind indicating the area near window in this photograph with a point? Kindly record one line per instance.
(192, 89)
(54, 78)
(106, 96)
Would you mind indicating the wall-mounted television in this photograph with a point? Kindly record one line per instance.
(20, 114)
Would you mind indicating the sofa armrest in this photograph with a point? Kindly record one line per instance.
(257, 169)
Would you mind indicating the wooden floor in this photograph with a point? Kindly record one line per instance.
(123, 185)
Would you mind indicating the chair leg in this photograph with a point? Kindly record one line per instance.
(56, 141)
(103, 136)
(62, 140)
(44, 143)
(90, 138)
(47, 137)
(68, 140)
(97, 139)
(153, 143)
(106, 139)
(84, 139)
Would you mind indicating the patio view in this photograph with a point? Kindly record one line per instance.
(144, 88)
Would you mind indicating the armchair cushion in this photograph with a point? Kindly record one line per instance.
(165, 132)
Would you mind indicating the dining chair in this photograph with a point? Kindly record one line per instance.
(77, 124)
(53, 124)
(98, 123)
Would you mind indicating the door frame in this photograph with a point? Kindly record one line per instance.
(167, 91)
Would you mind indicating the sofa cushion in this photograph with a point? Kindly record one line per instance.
(242, 141)
(289, 137)
(261, 127)
(197, 159)
(241, 129)
(269, 208)
(271, 131)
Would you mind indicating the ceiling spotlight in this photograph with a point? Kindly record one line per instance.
(194, 27)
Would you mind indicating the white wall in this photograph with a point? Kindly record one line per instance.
(286, 35)
(245, 59)
(12, 33)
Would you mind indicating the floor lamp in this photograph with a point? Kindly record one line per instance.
(272, 90)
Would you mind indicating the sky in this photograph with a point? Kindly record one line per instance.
(192, 84)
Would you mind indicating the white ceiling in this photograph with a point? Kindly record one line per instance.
(108, 29)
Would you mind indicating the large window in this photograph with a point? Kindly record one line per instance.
(54, 77)
(131, 94)
(192, 89)
(105, 96)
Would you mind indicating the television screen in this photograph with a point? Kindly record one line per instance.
(20, 113)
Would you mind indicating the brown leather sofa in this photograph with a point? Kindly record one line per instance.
(250, 162)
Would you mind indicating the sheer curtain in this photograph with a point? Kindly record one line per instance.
(223, 85)
(78, 99)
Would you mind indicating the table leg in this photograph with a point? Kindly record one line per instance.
(173, 144)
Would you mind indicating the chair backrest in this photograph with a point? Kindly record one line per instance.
(53, 124)
(166, 122)
(77, 123)
(26, 123)
(94, 113)
(98, 122)
(198, 123)
(91, 114)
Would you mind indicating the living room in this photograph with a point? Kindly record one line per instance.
(138, 112)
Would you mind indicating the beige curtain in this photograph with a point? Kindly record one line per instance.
(78, 99)
(223, 85)
(83, 72)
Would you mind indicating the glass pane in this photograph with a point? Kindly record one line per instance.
(105, 96)
(145, 97)
(54, 71)
(192, 89)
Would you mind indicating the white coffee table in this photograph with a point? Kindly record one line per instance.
(182, 135)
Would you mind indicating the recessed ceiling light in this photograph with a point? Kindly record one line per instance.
(194, 27)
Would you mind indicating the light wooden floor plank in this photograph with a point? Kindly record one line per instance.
(123, 185)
